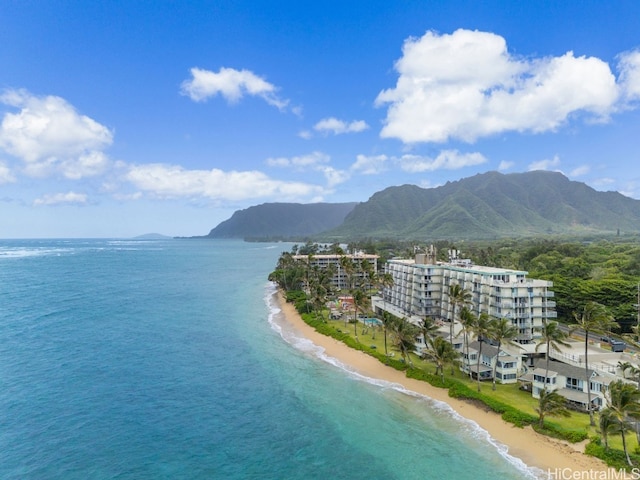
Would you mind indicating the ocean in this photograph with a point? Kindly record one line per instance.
(169, 359)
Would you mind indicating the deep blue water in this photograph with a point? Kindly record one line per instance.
(168, 360)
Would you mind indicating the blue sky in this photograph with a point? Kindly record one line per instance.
(122, 118)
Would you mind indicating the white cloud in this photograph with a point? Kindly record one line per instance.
(69, 198)
(505, 165)
(170, 181)
(629, 67)
(602, 182)
(49, 136)
(306, 134)
(446, 160)
(466, 86)
(315, 161)
(369, 165)
(334, 176)
(232, 85)
(5, 174)
(300, 162)
(579, 171)
(546, 164)
(337, 127)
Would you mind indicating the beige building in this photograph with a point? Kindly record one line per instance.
(340, 279)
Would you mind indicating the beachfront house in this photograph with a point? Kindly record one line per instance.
(508, 365)
(569, 381)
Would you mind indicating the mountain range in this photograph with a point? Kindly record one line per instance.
(485, 206)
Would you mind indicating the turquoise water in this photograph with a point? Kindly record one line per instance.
(168, 359)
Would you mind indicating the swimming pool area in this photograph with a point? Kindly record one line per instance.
(372, 322)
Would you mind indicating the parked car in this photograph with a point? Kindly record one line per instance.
(617, 345)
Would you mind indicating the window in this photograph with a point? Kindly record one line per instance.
(574, 384)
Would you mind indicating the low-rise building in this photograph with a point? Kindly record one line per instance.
(569, 381)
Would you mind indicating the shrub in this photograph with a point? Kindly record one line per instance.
(612, 457)
(556, 431)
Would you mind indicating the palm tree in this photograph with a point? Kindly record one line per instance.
(359, 304)
(594, 318)
(428, 328)
(502, 331)
(624, 404)
(404, 338)
(385, 280)
(551, 403)
(346, 264)
(482, 329)
(440, 352)
(552, 337)
(468, 321)
(458, 297)
(607, 424)
(387, 324)
(630, 371)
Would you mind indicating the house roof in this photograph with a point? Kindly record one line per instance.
(563, 369)
(575, 395)
(483, 368)
(490, 351)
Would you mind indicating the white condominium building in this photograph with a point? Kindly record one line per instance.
(421, 289)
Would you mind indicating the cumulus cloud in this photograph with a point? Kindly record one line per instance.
(300, 162)
(5, 174)
(579, 171)
(171, 181)
(505, 165)
(337, 127)
(446, 160)
(69, 198)
(49, 135)
(466, 85)
(370, 165)
(603, 182)
(629, 68)
(231, 84)
(315, 161)
(546, 164)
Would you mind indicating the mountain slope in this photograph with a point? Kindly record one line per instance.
(491, 205)
(281, 220)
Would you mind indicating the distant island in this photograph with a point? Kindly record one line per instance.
(152, 236)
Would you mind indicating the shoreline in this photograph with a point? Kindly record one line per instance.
(535, 450)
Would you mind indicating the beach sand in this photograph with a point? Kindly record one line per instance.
(548, 454)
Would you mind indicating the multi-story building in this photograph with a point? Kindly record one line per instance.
(341, 280)
(421, 289)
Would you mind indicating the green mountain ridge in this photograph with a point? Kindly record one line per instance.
(486, 206)
(491, 205)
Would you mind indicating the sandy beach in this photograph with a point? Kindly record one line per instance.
(558, 458)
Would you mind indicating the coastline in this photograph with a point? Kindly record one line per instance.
(535, 450)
